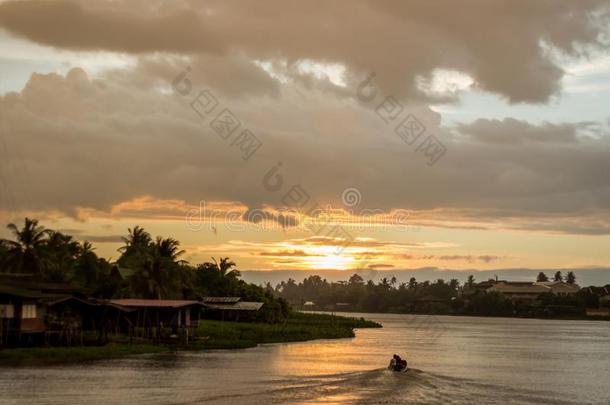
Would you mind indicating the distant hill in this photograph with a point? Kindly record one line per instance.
(584, 276)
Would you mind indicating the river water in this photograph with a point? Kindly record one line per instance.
(459, 360)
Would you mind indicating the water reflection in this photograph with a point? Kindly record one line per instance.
(475, 359)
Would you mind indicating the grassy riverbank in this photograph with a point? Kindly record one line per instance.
(299, 327)
(209, 335)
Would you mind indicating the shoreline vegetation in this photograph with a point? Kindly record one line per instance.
(210, 335)
(517, 316)
(544, 298)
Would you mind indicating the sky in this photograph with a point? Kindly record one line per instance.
(313, 135)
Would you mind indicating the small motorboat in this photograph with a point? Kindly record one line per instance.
(398, 364)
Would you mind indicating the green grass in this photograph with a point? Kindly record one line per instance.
(299, 327)
(210, 335)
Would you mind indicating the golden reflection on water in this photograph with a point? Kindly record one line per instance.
(474, 360)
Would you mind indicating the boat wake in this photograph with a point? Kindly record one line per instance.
(383, 386)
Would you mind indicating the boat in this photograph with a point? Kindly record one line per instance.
(398, 365)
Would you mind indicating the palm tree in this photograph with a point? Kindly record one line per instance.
(87, 266)
(136, 242)
(156, 263)
(470, 281)
(393, 281)
(225, 267)
(62, 252)
(169, 248)
(26, 252)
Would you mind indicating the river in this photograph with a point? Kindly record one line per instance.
(461, 360)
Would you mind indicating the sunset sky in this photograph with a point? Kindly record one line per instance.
(341, 135)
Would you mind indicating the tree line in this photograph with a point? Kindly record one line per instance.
(156, 269)
(431, 297)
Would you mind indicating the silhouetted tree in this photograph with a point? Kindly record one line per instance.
(61, 256)
(356, 279)
(542, 277)
(571, 278)
(26, 252)
(558, 276)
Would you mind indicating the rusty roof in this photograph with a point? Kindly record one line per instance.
(144, 303)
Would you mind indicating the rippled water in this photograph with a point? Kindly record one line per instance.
(458, 360)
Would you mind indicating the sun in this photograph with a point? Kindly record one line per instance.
(331, 261)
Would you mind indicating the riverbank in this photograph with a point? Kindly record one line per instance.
(476, 315)
(209, 335)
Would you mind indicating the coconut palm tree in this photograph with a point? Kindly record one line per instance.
(156, 264)
(136, 242)
(225, 268)
(87, 267)
(26, 253)
(169, 248)
(62, 252)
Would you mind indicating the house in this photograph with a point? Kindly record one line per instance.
(121, 274)
(57, 313)
(603, 294)
(560, 287)
(229, 308)
(517, 290)
(468, 291)
(36, 312)
(309, 305)
(147, 317)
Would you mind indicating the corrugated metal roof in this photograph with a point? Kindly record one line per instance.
(218, 300)
(238, 306)
(143, 303)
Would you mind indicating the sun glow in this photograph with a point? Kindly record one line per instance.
(331, 261)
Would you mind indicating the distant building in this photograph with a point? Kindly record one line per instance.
(516, 290)
(560, 287)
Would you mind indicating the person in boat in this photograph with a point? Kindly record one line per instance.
(392, 365)
(397, 363)
(403, 364)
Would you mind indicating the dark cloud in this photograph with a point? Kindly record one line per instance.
(465, 258)
(73, 143)
(471, 258)
(380, 266)
(258, 215)
(70, 25)
(502, 44)
(289, 253)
